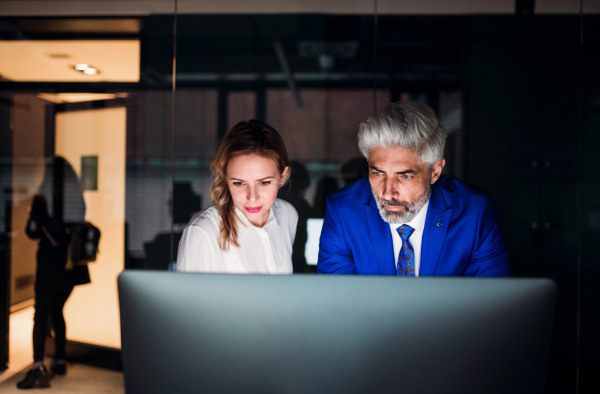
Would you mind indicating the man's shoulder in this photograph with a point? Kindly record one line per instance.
(356, 194)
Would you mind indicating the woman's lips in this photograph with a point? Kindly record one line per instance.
(253, 209)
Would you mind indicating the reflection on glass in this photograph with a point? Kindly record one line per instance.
(110, 135)
(81, 137)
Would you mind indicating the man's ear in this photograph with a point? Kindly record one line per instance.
(437, 170)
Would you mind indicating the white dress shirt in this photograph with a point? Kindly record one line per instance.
(262, 250)
(418, 223)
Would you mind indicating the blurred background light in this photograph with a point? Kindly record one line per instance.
(90, 71)
(119, 60)
(81, 67)
(61, 98)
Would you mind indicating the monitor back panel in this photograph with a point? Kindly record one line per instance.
(333, 334)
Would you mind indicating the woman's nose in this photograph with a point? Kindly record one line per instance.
(252, 194)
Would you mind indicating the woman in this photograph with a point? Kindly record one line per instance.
(54, 281)
(248, 230)
(51, 290)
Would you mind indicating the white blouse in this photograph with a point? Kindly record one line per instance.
(262, 250)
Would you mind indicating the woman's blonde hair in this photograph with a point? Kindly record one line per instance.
(245, 138)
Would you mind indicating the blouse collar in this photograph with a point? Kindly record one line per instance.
(246, 225)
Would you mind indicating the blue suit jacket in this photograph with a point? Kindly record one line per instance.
(355, 240)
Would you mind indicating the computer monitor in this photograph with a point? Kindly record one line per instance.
(184, 333)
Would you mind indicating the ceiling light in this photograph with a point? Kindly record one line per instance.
(114, 60)
(60, 98)
(86, 69)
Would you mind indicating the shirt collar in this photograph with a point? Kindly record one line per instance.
(418, 222)
(244, 224)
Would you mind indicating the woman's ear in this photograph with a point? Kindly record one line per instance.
(284, 176)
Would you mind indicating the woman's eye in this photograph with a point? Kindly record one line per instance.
(265, 183)
(238, 183)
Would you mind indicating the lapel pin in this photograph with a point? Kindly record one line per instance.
(439, 222)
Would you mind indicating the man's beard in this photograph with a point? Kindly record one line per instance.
(411, 209)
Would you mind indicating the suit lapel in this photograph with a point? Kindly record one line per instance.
(381, 239)
(436, 227)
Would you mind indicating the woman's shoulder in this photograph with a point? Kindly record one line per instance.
(207, 220)
(284, 210)
(198, 249)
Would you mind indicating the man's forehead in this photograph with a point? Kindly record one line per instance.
(394, 156)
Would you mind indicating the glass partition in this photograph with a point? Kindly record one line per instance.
(114, 115)
(85, 127)
(309, 76)
(589, 221)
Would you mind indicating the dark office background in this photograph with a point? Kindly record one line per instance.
(519, 93)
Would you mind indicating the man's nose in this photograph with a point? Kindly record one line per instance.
(389, 189)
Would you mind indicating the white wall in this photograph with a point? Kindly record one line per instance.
(92, 312)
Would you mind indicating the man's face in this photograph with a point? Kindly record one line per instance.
(400, 182)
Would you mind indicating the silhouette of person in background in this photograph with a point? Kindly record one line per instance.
(186, 204)
(53, 283)
(354, 169)
(299, 182)
(325, 187)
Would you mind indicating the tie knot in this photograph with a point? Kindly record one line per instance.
(405, 231)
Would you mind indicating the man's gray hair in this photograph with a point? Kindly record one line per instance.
(411, 125)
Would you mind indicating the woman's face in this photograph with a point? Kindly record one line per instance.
(253, 183)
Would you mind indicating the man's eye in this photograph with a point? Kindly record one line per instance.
(265, 183)
(377, 173)
(406, 176)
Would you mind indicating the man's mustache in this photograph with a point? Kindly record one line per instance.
(394, 203)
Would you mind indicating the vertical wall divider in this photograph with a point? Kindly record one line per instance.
(6, 159)
(580, 133)
(375, 40)
(173, 106)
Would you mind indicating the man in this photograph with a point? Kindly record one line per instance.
(405, 218)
